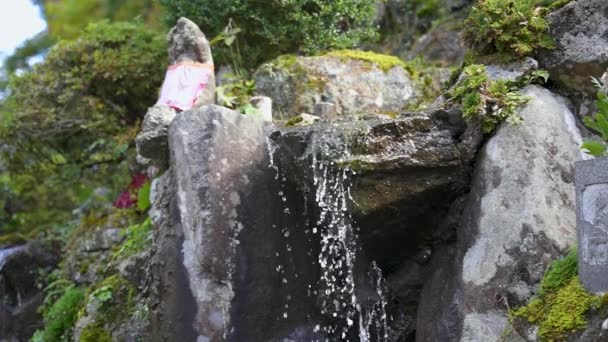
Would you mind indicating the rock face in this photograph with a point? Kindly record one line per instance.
(19, 294)
(441, 45)
(519, 216)
(296, 84)
(580, 30)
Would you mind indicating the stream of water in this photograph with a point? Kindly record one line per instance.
(345, 315)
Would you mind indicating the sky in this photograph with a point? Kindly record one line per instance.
(19, 20)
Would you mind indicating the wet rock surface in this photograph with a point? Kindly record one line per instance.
(20, 296)
(519, 216)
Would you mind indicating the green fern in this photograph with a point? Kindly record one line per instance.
(507, 27)
(599, 123)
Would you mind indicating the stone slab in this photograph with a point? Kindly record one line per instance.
(591, 180)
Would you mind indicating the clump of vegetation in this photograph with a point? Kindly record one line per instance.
(276, 27)
(136, 239)
(514, 28)
(68, 126)
(237, 94)
(60, 317)
(562, 302)
(599, 122)
(485, 101)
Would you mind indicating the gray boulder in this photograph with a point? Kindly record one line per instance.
(580, 30)
(354, 86)
(520, 215)
(152, 142)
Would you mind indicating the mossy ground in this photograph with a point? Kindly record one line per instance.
(562, 303)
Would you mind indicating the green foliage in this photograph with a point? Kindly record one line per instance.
(488, 102)
(113, 299)
(61, 316)
(507, 27)
(69, 124)
(599, 123)
(137, 237)
(274, 27)
(236, 94)
(67, 18)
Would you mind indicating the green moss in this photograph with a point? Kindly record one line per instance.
(94, 333)
(285, 62)
(115, 297)
(61, 316)
(294, 120)
(560, 272)
(561, 312)
(562, 303)
(137, 238)
(384, 62)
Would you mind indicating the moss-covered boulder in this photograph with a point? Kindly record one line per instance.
(355, 81)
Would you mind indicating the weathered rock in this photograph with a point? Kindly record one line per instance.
(513, 71)
(296, 84)
(519, 217)
(442, 44)
(102, 240)
(402, 21)
(264, 106)
(580, 30)
(20, 296)
(152, 142)
(218, 156)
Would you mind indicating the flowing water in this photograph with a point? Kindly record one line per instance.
(350, 309)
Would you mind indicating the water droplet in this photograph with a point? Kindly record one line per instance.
(285, 315)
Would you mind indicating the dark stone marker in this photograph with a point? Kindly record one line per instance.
(591, 179)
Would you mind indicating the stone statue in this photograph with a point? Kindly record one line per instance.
(189, 83)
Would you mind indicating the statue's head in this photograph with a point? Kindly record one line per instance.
(188, 43)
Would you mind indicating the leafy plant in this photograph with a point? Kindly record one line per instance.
(61, 316)
(599, 122)
(275, 27)
(236, 94)
(507, 27)
(485, 101)
(67, 127)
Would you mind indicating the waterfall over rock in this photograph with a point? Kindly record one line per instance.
(265, 236)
